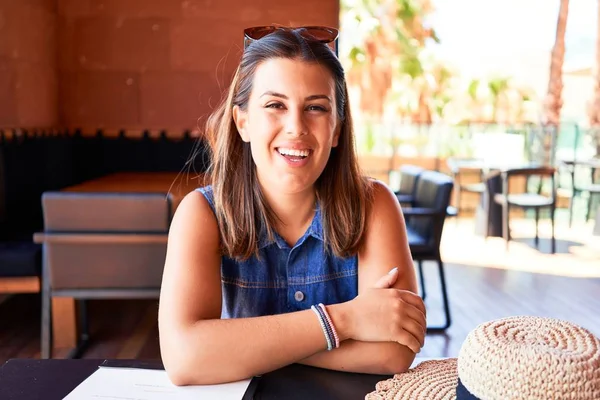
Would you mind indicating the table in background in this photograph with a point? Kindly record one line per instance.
(54, 379)
(64, 313)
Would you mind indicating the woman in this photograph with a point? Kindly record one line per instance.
(287, 223)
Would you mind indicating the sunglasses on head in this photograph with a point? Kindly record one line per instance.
(323, 34)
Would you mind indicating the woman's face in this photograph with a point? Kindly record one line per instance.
(290, 123)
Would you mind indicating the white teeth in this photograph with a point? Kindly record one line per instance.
(293, 152)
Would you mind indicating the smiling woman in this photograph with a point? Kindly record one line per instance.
(285, 257)
(292, 162)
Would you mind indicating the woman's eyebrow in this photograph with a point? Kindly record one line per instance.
(309, 98)
(319, 96)
(274, 94)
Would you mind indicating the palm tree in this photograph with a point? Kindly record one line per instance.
(554, 102)
(594, 111)
(498, 87)
(394, 37)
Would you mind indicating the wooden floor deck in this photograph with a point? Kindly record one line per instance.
(484, 282)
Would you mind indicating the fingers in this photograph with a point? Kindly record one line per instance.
(410, 320)
(413, 299)
(388, 280)
(410, 323)
(416, 328)
(407, 339)
(418, 317)
(411, 334)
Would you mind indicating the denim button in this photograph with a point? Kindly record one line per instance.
(299, 296)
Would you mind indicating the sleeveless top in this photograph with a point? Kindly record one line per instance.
(285, 279)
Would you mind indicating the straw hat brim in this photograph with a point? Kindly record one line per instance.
(430, 380)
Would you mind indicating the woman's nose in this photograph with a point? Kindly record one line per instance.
(296, 123)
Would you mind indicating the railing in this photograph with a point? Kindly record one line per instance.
(385, 145)
(388, 138)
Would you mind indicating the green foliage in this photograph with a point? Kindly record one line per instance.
(356, 56)
(497, 86)
(473, 87)
(411, 66)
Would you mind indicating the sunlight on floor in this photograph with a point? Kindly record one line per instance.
(578, 251)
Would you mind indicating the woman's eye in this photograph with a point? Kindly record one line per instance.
(316, 108)
(274, 105)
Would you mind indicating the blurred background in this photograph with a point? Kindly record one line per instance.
(459, 106)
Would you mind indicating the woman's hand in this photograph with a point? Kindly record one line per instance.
(385, 314)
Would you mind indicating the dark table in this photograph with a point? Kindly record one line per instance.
(25, 379)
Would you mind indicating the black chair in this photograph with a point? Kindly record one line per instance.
(528, 200)
(424, 226)
(409, 176)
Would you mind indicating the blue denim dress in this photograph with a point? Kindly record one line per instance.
(285, 279)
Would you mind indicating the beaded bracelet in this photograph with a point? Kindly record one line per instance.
(333, 331)
(328, 326)
(323, 323)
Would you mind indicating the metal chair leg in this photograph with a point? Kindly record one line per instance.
(83, 328)
(505, 225)
(46, 345)
(46, 317)
(422, 279)
(588, 211)
(571, 201)
(537, 220)
(446, 325)
(553, 212)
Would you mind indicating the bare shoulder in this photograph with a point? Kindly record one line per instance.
(191, 279)
(385, 204)
(193, 235)
(385, 244)
(194, 213)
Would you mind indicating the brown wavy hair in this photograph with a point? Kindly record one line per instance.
(241, 209)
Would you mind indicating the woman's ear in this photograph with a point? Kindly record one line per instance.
(241, 120)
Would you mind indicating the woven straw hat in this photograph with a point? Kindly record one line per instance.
(515, 358)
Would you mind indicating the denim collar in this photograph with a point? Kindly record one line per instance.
(315, 230)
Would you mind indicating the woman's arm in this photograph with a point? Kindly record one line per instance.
(385, 247)
(197, 347)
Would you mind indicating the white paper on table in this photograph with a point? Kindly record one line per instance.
(116, 383)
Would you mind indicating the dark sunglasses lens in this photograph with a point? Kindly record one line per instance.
(259, 32)
(320, 34)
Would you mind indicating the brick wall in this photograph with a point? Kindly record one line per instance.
(28, 72)
(112, 64)
(159, 63)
